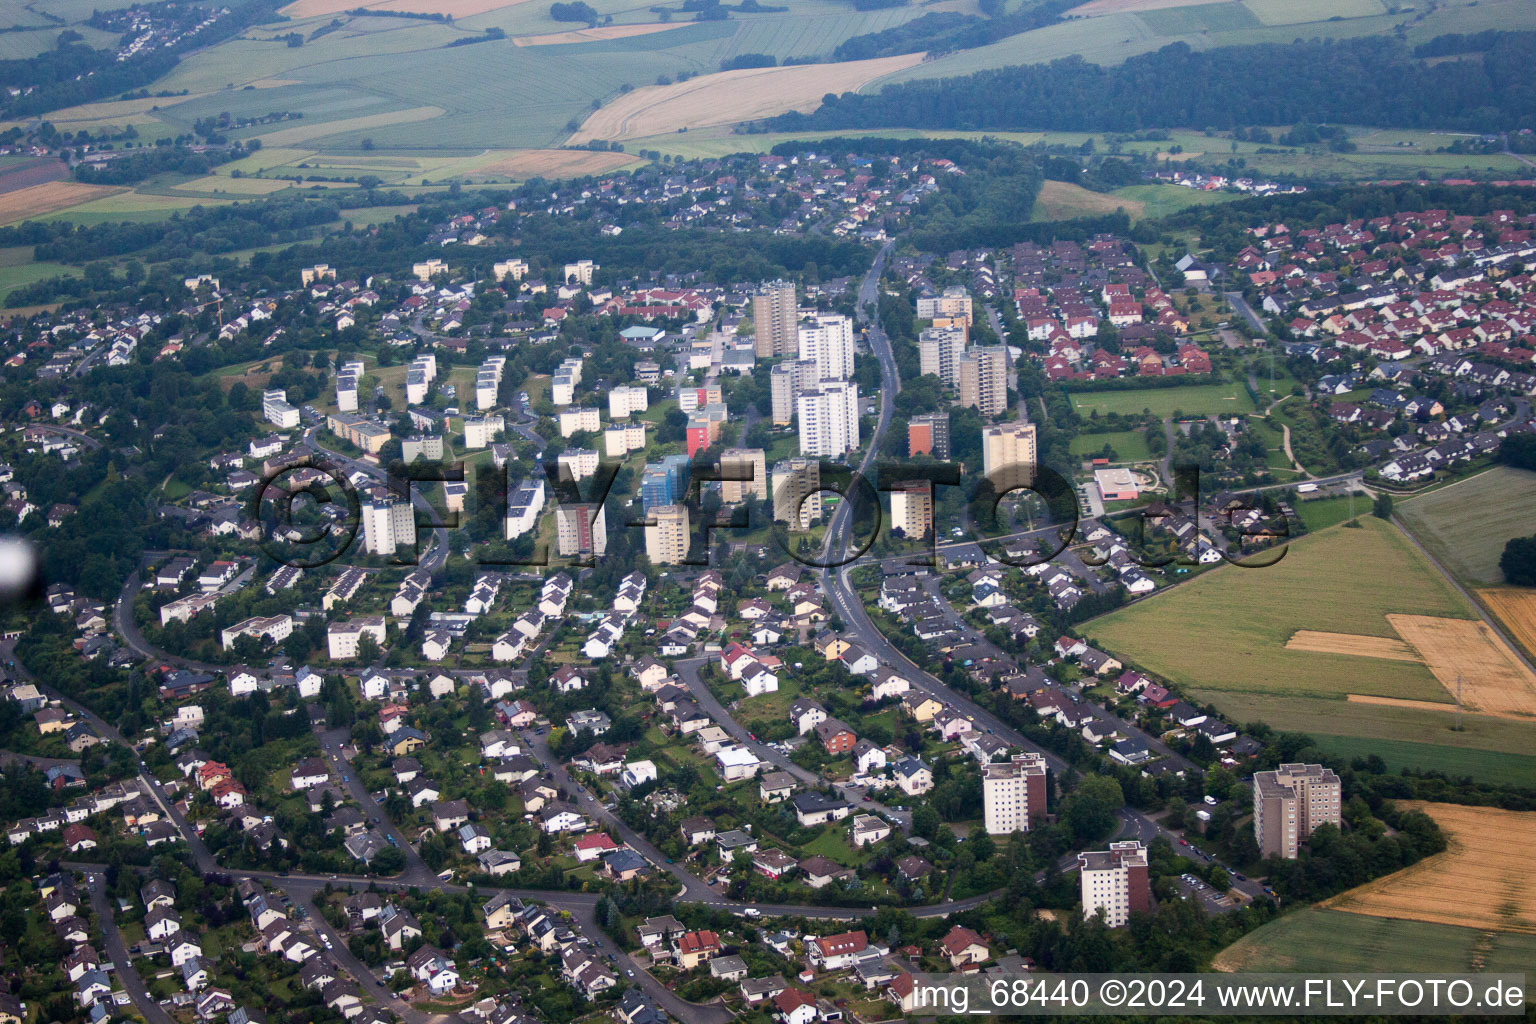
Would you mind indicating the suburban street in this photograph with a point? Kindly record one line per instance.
(117, 952)
(689, 670)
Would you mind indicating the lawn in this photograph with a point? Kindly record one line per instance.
(1465, 525)
(1129, 445)
(1322, 513)
(833, 845)
(1222, 637)
(1187, 400)
(1329, 940)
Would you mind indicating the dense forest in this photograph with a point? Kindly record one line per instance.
(139, 165)
(1374, 81)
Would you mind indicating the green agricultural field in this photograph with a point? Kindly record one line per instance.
(1291, 12)
(1199, 18)
(1466, 524)
(1222, 639)
(1189, 400)
(1129, 445)
(18, 270)
(1331, 940)
(1486, 766)
(418, 93)
(1428, 736)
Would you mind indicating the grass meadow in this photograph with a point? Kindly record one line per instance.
(1189, 400)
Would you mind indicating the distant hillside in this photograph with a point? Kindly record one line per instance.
(1371, 81)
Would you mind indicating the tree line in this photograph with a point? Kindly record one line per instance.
(1372, 80)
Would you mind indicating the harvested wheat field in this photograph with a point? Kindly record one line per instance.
(1483, 880)
(590, 35)
(1492, 678)
(1099, 8)
(1351, 643)
(555, 163)
(728, 97)
(1399, 702)
(1516, 610)
(48, 197)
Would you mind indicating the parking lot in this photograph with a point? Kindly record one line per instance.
(1191, 887)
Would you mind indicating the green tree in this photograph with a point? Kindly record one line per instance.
(1090, 811)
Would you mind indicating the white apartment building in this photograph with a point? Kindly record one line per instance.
(514, 268)
(796, 494)
(389, 524)
(581, 530)
(524, 503)
(488, 382)
(912, 508)
(785, 383)
(828, 341)
(620, 439)
(276, 410)
(276, 628)
(1290, 803)
(744, 461)
(1114, 882)
(578, 418)
(1013, 793)
(938, 352)
(666, 539)
(480, 431)
(829, 419)
(342, 638)
(955, 301)
(581, 462)
(1008, 455)
(348, 379)
(626, 400)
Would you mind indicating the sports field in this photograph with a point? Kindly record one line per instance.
(1483, 880)
(1188, 400)
(1129, 445)
(1332, 940)
(1466, 524)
